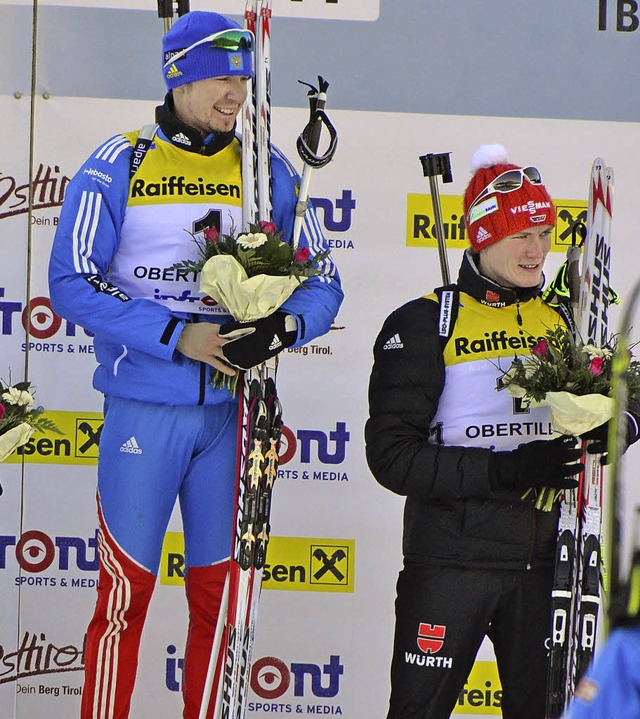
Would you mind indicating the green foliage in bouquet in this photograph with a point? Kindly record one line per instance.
(260, 251)
(561, 363)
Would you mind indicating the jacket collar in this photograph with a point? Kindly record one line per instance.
(487, 291)
(187, 137)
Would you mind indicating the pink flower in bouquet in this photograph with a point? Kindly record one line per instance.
(268, 228)
(2, 410)
(596, 366)
(540, 349)
(211, 235)
(302, 255)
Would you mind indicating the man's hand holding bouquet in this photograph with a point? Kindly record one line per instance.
(574, 380)
(251, 275)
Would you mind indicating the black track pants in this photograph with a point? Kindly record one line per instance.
(442, 616)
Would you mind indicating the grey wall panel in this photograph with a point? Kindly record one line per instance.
(469, 57)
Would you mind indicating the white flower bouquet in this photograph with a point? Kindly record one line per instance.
(250, 275)
(572, 379)
(19, 419)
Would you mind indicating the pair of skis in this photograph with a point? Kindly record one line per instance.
(575, 596)
(260, 421)
(260, 429)
(260, 416)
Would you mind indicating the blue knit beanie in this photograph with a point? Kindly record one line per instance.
(202, 61)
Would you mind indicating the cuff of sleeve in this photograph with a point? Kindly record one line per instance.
(292, 329)
(171, 334)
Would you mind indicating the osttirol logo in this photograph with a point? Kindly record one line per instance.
(295, 563)
(421, 231)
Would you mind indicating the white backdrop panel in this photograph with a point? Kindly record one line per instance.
(363, 198)
(320, 9)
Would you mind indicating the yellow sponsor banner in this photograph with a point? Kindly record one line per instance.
(310, 565)
(77, 443)
(172, 562)
(569, 213)
(300, 564)
(184, 184)
(420, 222)
(482, 692)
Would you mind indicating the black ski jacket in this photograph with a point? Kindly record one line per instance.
(452, 516)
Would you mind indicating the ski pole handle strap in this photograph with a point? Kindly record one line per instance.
(310, 155)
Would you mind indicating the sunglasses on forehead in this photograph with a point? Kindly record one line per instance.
(230, 40)
(508, 181)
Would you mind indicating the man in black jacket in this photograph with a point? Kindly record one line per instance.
(478, 555)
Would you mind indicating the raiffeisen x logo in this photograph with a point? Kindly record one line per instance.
(329, 565)
(88, 435)
(303, 564)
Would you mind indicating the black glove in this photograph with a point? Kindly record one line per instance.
(268, 336)
(599, 437)
(542, 463)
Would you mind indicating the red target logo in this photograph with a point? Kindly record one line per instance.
(270, 677)
(43, 321)
(288, 445)
(35, 551)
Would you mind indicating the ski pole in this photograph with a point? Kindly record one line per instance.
(432, 166)
(250, 192)
(166, 11)
(574, 254)
(263, 111)
(615, 448)
(307, 145)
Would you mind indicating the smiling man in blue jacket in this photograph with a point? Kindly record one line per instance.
(169, 434)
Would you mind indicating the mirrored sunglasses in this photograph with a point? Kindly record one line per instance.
(230, 40)
(508, 181)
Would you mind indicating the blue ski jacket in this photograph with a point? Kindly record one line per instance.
(117, 239)
(611, 686)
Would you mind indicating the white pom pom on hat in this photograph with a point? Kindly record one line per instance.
(488, 156)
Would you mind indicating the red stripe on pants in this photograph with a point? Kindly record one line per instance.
(113, 636)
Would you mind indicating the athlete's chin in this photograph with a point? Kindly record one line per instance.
(222, 123)
(221, 127)
(529, 281)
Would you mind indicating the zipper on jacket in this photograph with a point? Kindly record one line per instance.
(203, 381)
(518, 315)
(203, 371)
(532, 539)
